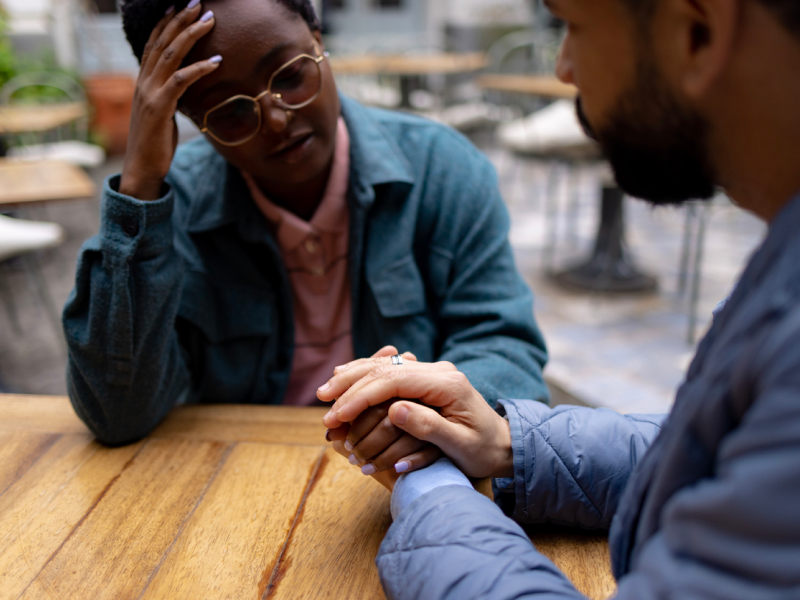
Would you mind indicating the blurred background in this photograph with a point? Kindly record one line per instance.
(623, 291)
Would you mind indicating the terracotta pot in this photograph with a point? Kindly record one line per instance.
(110, 96)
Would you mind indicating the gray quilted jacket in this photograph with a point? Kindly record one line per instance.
(705, 507)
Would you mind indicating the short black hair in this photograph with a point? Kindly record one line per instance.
(787, 11)
(140, 17)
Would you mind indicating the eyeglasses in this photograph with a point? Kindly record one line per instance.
(294, 85)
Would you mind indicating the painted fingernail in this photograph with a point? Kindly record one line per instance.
(192, 4)
(328, 435)
(401, 415)
(353, 460)
(207, 17)
(348, 446)
(402, 466)
(368, 469)
(215, 59)
(324, 388)
(170, 10)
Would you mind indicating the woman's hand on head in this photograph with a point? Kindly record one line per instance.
(153, 133)
(463, 426)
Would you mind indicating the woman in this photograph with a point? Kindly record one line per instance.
(302, 231)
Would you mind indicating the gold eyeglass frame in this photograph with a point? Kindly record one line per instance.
(276, 98)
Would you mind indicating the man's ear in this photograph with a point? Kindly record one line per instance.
(697, 39)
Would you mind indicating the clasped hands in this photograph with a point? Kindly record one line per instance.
(372, 425)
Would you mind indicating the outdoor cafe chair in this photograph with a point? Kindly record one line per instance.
(19, 238)
(71, 141)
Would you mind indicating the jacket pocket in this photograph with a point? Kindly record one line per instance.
(225, 311)
(398, 288)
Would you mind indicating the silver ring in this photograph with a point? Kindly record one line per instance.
(397, 359)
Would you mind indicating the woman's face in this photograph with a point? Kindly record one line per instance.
(255, 38)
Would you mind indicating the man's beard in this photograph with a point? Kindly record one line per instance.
(657, 148)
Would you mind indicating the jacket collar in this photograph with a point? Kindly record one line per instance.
(221, 194)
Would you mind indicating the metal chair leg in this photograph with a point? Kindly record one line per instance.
(691, 211)
(551, 217)
(698, 261)
(8, 301)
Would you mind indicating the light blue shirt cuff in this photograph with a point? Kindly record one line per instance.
(411, 486)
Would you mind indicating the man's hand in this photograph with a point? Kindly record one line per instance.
(465, 427)
(373, 443)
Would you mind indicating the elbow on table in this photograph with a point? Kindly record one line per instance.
(107, 418)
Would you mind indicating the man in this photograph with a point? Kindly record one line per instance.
(684, 95)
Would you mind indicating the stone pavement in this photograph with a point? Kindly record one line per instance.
(625, 353)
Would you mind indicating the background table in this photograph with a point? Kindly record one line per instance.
(219, 502)
(28, 119)
(532, 85)
(408, 66)
(610, 267)
(42, 181)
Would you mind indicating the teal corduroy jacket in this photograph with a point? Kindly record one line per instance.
(186, 298)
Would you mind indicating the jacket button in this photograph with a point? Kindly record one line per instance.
(130, 226)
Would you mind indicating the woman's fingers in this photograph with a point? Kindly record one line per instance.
(181, 80)
(155, 34)
(386, 478)
(376, 440)
(166, 31)
(338, 434)
(419, 460)
(405, 446)
(173, 55)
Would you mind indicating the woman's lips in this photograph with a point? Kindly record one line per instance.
(295, 150)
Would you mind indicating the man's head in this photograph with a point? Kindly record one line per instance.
(651, 75)
(255, 38)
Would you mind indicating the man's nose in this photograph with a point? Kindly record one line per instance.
(564, 66)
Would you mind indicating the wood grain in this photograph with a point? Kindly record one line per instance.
(18, 451)
(119, 545)
(246, 423)
(583, 558)
(42, 508)
(239, 501)
(52, 414)
(335, 541)
(42, 181)
(214, 422)
(229, 547)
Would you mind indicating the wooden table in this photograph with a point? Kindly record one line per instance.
(409, 64)
(42, 181)
(219, 502)
(532, 85)
(25, 119)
